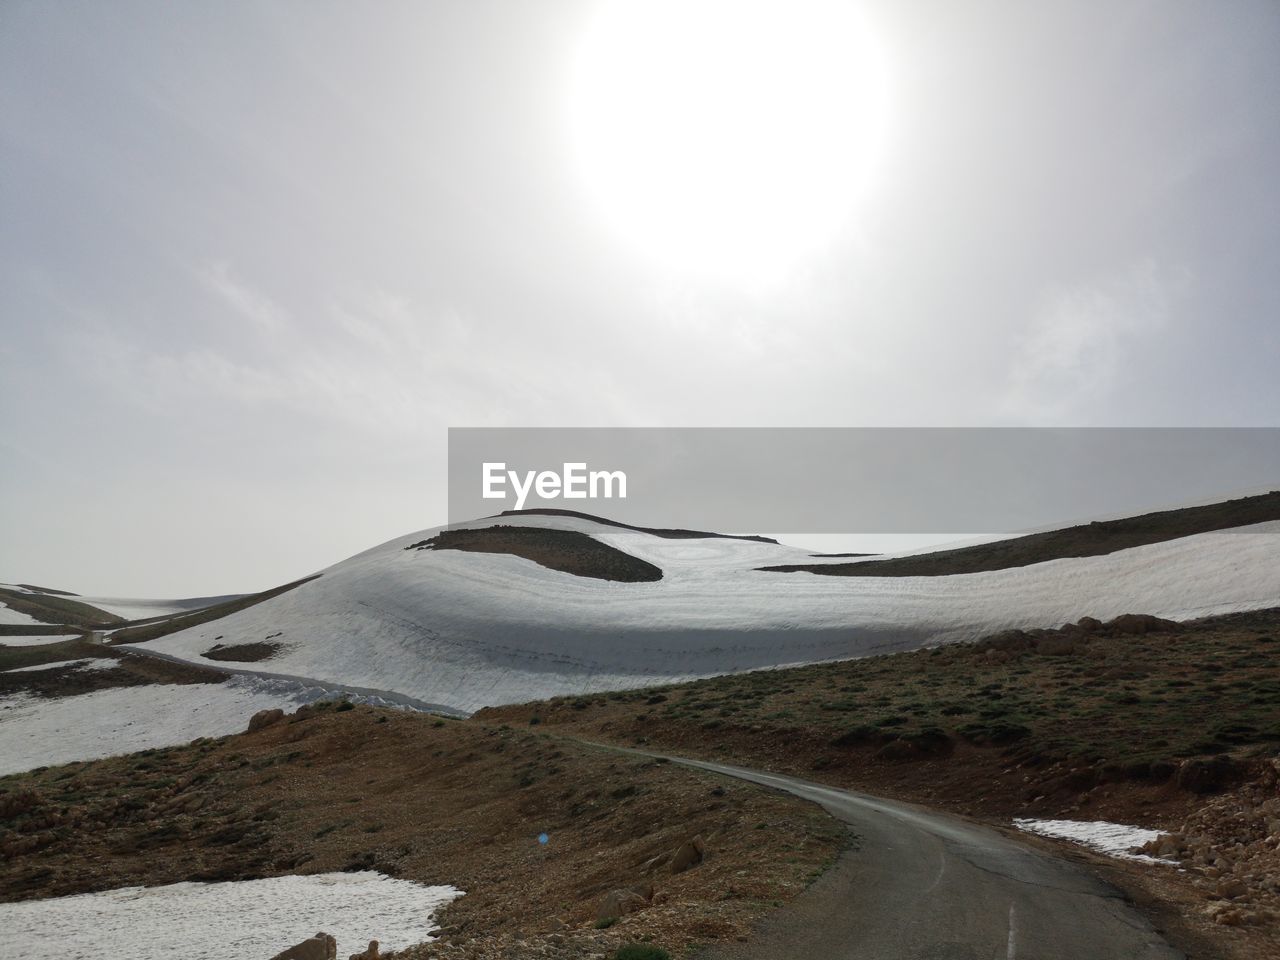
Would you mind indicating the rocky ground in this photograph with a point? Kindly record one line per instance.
(1231, 848)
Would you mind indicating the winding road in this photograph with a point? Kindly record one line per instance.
(921, 885)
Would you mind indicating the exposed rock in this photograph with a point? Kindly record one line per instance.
(688, 854)
(619, 903)
(649, 866)
(1226, 914)
(1007, 640)
(1207, 776)
(1137, 624)
(370, 953)
(265, 718)
(320, 947)
(1166, 845)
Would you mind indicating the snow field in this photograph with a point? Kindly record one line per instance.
(241, 920)
(468, 630)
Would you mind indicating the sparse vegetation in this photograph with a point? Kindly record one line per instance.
(1043, 719)
(243, 652)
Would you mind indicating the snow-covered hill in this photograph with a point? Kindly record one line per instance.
(129, 609)
(470, 629)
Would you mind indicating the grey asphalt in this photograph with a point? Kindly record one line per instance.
(921, 885)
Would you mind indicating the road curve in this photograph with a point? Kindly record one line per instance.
(921, 885)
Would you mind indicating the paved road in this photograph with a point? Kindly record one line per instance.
(928, 886)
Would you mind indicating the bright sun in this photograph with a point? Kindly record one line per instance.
(727, 138)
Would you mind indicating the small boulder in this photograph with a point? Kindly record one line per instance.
(1207, 776)
(688, 854)
(619, 903)
(1137, 624)
(265, 718)
(320, 947)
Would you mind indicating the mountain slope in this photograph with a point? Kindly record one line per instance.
(468, 629)
(1084, 540)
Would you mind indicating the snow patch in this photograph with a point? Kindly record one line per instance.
(38, 732)
(239, 920)
(105, 663)
(33, 640)
(9, 615)
(1114, 839)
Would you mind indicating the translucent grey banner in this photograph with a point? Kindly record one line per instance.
(855, 480)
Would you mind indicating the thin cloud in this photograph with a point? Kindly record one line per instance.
(1080, 341)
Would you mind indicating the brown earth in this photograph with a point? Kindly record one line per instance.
(564, 550)
(334, 787)
(1085, 540)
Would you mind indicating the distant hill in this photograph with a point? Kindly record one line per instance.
(1086, 540)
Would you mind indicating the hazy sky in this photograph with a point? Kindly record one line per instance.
(258, 257)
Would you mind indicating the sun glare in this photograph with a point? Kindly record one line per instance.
(726, 138)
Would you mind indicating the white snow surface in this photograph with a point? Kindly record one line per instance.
(467, 630)
(239, 920)
(34, 641)
(1113, 839)
(10, 615)
(139, 609)
(93, 663)
(38, 732)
